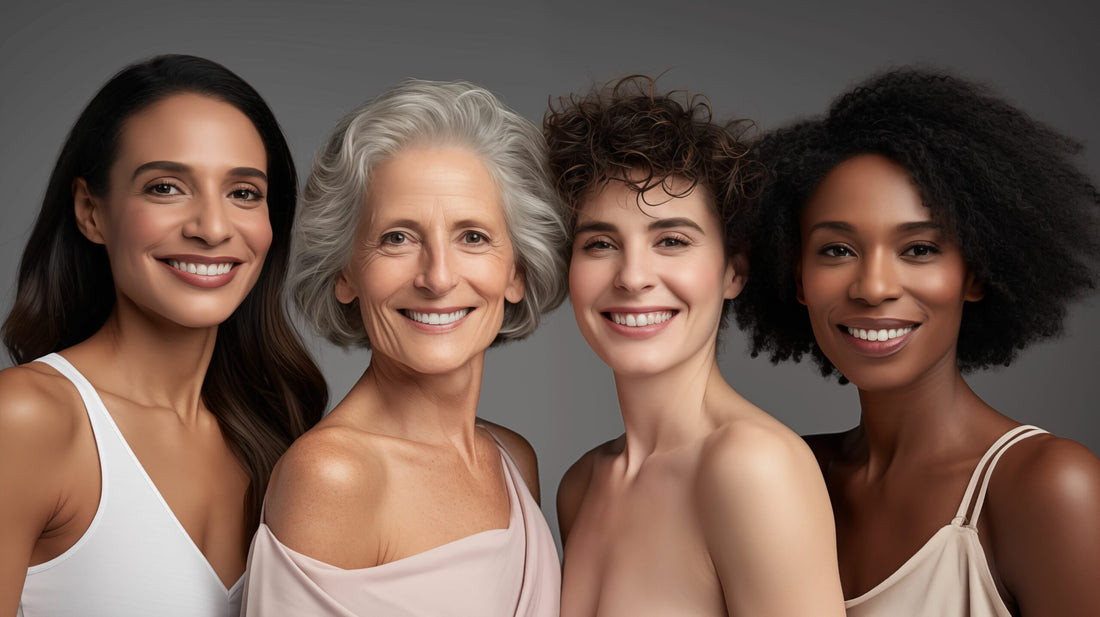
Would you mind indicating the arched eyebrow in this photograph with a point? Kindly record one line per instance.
(675, 222)
(834, 225)
(670, 223)
(914, 226)
(180, 168)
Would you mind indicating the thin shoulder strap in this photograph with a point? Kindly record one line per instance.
(985, 472)
(80, 382)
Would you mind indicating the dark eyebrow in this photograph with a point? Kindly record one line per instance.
(836, 225)
(594, 226)
(921, 225)
(161, 165)
(675, 222)
(180, 168)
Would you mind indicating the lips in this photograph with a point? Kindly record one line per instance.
(201, 271)
(878, 337)
(638, 322)
(444, 317)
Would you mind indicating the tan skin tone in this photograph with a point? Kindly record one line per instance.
(189, 180)
(871, 251)
(402, 464)
(706, 505)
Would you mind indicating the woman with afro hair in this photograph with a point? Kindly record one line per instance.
(922, 229)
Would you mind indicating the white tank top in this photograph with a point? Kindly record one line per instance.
(948, 576)
(135, 559)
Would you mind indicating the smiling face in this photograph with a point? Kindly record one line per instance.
(433, 263)
(648, 283)
(184, 220)
(883, 285)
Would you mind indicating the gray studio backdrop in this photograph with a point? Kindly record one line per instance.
(773, 62)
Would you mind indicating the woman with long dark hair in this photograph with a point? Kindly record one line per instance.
(135, 451)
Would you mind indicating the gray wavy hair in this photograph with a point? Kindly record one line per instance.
(437, 113)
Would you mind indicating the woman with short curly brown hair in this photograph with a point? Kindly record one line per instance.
(706, 505)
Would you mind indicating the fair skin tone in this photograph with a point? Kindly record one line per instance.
(188, 185)
(873, 259)
(706, 505)
(402, 464)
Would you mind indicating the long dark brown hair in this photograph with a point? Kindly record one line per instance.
(262, 385)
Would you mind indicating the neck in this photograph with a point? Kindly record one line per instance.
(436, 409)
(933, 417)
(149, 360)
(666, 410)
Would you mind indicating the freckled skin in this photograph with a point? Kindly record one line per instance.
(706, 505)
(402, 464)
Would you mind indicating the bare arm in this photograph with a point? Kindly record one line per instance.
(571, 492)
(35, 439)
(1043, 511)
(768, 525)
(521, 452)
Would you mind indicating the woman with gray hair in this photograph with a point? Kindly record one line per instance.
(428, 232)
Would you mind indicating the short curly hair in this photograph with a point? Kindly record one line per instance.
(627, 132)
(432, 113)
(1004, 185)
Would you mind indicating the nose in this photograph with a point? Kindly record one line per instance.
(635, 271)
(436, 275)
(209, 221)
(877, 280)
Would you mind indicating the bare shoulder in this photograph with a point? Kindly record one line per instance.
(1043, 516)
(752, 455)
(329, 481)
(521, 452)
(574, 484)
(1046, 477)
(766, 521)
(40, 411)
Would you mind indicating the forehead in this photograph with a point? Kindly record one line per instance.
(865, 190)
(192, 129)
(420, 180)
(618, 201)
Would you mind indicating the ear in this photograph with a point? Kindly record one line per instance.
(87, 208)
(798, 282)
(974, 289)
(735, 277)
(345, 293)
(517, 286)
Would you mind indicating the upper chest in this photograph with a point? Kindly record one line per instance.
(636, 547)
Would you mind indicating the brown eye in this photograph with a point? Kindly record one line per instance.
(474, 237)
(245, 195)
(394, 237)
(836, 250)
(163, 189)
(921, 250)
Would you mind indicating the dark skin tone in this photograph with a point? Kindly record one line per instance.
(870, 251)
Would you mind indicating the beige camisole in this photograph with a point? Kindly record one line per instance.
(949, 575)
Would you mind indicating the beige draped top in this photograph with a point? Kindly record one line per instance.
(512, 572)
(949, 575)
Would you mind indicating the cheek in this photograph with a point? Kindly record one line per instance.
(255, 226)
(585, 281)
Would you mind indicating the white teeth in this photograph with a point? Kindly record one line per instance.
(878, 335)
(436, 319)
(201, 269)
(636, 320)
